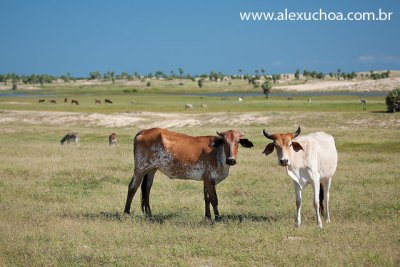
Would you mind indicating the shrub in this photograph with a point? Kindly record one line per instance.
(393, 100)
(200, 83)
(266, 88)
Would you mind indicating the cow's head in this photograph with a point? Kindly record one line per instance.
(284, 145)
(231, 139)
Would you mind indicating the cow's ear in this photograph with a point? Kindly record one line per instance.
(216, 142)
(296, 146)
(269, 149)
(246, 143)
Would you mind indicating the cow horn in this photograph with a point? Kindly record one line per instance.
(220, 134)
(297, 132)
(267, 135)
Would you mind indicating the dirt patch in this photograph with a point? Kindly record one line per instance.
(134, 119)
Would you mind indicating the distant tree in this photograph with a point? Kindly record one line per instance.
(266, 86)
(66, 77)
(338, 71)
(320, 76)
(159, 74)
(200, 83)
(180, 72)
(94, 75)
(213, 76)
(124, 75)
(276, 77)
(263, 71)
(306, 73)
(297, 74)
(393, 100)
(14, 84)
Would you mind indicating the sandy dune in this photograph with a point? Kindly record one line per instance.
(365, 86)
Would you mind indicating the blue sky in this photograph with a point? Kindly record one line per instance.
(57, 37)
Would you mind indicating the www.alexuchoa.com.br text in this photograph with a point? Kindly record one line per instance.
(320, 15)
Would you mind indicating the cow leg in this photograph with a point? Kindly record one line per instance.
(327, 185)
(146, 187)
(316, 187)
(212, 194)
(207, 203)
(297, 191)
(132, 188)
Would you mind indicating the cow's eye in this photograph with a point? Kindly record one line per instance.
(290, 144)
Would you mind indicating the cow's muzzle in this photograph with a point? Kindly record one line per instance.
(231, 162)
(283, 162)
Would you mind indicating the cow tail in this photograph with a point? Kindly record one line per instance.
(321, 199)
(144, 191)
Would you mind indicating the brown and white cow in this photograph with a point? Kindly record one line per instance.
(179, 156)
(112, 139)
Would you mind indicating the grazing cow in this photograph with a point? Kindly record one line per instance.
(203, 106)
(70, 137)
(108, 101)
(363, 101)
(188, 106)
(65, 100)
(240, 99)
(308, 159)
(97, 101)
(41, 100)
(179, 156)
(112, 139)
(53, 101)
(74, 101)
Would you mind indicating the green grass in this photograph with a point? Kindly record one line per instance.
(63, 205)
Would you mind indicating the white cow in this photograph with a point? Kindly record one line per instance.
(308, 159)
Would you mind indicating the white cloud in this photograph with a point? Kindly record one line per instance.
(367, 59)
(378, 59)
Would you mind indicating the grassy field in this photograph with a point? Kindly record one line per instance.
(63, 205)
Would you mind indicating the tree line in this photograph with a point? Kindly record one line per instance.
(259, 74)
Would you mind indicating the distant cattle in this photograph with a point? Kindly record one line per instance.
(70, 137)
(363, 101)
(65, 100)
(188, 106)
(308, 159)
(203, 106)
(240, 99)
(74, 101)
(97, 101)
(179, 156)
(41, 100)
(112, 139)
(309, 100)
(53, 101)
(108, 101)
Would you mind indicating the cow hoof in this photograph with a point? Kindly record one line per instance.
(297, 225)
(328, 220)
(319, 226)
(218, 218)
(127, 212)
